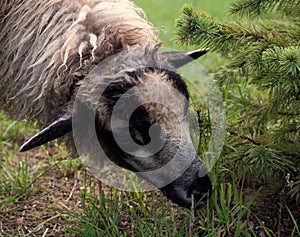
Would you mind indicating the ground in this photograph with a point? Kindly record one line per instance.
(56, 199)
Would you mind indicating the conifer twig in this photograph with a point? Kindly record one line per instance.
(243, 136)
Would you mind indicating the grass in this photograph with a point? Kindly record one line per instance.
(43, 193)
(164, 14)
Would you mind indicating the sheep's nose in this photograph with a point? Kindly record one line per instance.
(199, 199)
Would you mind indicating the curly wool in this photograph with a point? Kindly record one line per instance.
(47, 46)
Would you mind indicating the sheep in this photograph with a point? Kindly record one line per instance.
(63, 60)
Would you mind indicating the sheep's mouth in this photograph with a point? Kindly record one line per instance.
(194, 195)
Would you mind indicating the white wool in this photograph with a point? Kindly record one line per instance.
(46, 45)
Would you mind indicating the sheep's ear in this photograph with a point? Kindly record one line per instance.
(54, 129)
(180, 58)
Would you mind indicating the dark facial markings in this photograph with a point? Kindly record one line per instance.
(139, 125)
(140, 121)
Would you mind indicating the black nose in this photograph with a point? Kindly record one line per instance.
(199, 199)
(200, 191)
(193, 193)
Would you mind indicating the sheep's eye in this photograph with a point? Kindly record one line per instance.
(140, 134)
(139, 125)
(138, 137)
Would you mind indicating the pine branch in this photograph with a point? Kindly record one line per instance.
(280, 74)
(197, 28)
(260, 81)
(243, 136)
(268, 56)
(246, 8)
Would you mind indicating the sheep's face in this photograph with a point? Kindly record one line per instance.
(145, 129)
(138, 120)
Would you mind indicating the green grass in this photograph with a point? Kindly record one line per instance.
(66, 201)
(109, 212)
(164, 13)
(226, 217)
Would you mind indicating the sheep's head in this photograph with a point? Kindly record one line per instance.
(132, 109)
